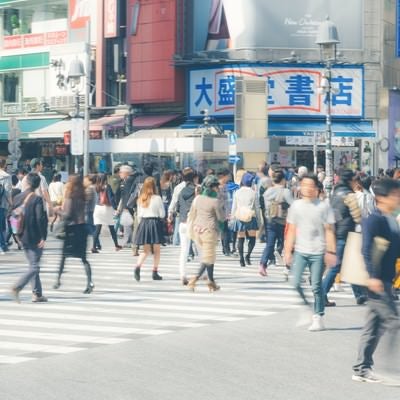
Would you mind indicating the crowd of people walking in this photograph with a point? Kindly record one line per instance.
(301, 225)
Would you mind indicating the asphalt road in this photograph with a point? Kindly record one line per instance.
(239, 343)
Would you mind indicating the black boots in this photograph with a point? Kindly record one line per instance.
(250, 247)
(241, 250)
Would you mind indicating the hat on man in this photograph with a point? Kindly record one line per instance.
(35, 162)
(126, 168)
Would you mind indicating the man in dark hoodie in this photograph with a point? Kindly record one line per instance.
(33, 237)
(347, 215)
(185, 200)
(380, 260)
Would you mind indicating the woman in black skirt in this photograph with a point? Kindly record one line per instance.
(150, 232)
(73, 214)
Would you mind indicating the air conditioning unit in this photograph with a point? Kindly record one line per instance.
(251, 114)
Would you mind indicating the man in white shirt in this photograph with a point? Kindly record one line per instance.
(311, 235)
(43, 189)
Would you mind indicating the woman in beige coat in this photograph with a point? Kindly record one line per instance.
(203, 227)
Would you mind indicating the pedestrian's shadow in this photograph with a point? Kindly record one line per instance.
(353, 328)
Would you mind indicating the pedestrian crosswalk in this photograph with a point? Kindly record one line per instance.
(121, 309)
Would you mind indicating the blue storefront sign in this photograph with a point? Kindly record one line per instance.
(292, 90)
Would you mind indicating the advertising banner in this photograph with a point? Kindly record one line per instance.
(244, 24)
(394, 128)
(110, 18)
(292, 90)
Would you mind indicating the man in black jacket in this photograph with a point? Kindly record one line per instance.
(382, 315)
(347, 215)
(33, 237)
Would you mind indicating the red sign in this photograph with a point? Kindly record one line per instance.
(53, 38)
(110, 18)
(12, 42)
(67, 138)
(35, 39)
(79, 13)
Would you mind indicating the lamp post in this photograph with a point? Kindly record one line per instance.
(327, 39)
(75, 73)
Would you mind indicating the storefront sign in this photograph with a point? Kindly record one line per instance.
(292, 90)
(110, 18)
(320, 138)
(34, 40)
(77, 136)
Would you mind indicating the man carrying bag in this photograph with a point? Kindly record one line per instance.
(382, 315)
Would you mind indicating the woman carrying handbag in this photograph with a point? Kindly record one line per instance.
(104, 212)
(245, 211)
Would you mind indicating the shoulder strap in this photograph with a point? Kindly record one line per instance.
(27, 198)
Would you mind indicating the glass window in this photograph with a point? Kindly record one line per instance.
(35, 16)
(11, 85)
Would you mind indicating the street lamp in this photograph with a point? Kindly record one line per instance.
(328, 39)
(75, 74)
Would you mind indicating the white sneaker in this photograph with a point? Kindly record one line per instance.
(317, 323)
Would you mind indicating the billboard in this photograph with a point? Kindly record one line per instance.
(291, 90)
(241, 24)
(394, 128)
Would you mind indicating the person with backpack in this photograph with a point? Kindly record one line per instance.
(185, 200)
(5, 202)
(32, 230)
(347, 217)
(277, 200)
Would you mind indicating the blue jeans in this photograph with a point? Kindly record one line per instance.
(3, 244)
(330, 276)
(175, 238)
(315, 262)
(274, 234)
(33, 256)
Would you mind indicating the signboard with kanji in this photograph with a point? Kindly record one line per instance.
(292, 90)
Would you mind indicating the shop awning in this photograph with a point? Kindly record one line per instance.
(360, 129)
(113, 121)
(356, 129)
(53, 131)
(26, 126)
(152, 121)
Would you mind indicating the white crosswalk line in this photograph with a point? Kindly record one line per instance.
(120, 309)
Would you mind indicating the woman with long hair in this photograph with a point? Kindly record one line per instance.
(166, 196)
(203, 225)
(104, 212)
(76, 232)
(245, 211)
(151, 211)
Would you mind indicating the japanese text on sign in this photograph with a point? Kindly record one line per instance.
(291, 91)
